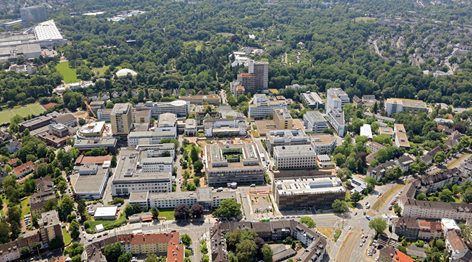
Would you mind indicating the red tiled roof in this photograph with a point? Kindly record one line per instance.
(175, 252)
(86, 160)
(28, 165)
(402, 257)
(247, 74)
(12, 162)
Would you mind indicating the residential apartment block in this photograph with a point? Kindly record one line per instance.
(285, 137)
(314, 122)
(294, 157)
(374, 146)
(313, 100)
(394, 105)
(413, 228)
(45, 191)
(50, 227)
(121, 119)
(308, 192)
(229, 163)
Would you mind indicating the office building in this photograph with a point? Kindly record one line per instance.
(314, 122)
(142, 116)
(68, 120)
(199, 99)
(104, 115)
(92, 130)
(34, 14)
(205, 196)
(294, 157)
(179, 107)
(394, 106)
(226, 127)
(257, 78)
(109, 143)
(57, 135)
(92, 180)
(121, 119)
(323, 143)
(35, 123)
(285, 137)
(386, 131)
(336, 98)
(140, 170)
(50, 227)
(313, 100)
(230, 163)
(308, 192)
(336, 120)
(263, 106)
(282, 119)
(401, 140)
(190, 127)
(166, 122)
(150, 137)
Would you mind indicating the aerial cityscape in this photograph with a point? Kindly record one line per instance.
(235, 131)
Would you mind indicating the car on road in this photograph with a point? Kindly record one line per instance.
(361, 245)
(368, 218)
(355, 214)
(363, 241)
(366, 203)
(106, 233)
(349, 228)
(90, 240)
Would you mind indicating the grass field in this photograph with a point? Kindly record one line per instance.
(34, 109)
(25, 207)
(68, 73)
(325, 231)
(67, 238)
(168, 213)
(100, 70)
(385, 197)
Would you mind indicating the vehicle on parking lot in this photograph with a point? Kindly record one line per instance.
(361, 245)
(90, 240)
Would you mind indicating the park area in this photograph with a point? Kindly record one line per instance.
(68, 73)
(33, 109)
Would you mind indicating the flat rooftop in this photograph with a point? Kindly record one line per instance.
(294, 151)
(121, 109)
(97, 142)
(90, 183)
(127, 169)
(106, 211)
(323, 139)
(305, 186)
(141, 134)
(232, 156)
(315, 116)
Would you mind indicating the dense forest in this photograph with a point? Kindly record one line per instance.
(198, 39)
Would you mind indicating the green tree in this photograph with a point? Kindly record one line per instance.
(339, 206)
(439, 157)
(446, 196)
(50, 204)
(356, 197)
(129, 211)
(397, 209)
(113, 161)
(197, 166)
(113, 252)
(74, 229)
(421, 196)
(155, 212)
(308, 221)
(246, 250)
(67, 204)
(25, 251)
(467, 196)
(194, 154)
(36, 247)
(267, 253)
(228, 208)
(126, 257)
(186, 240)
(378, 224)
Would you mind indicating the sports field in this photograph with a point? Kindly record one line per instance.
(68, 73)
(33, 109)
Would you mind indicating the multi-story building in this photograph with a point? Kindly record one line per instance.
(109, 143)
(179, 107)
(225, 126)
(374, 146)
(401, 140)
(35, 123)
(104, 115)
(229, 163)
(314, 122)
(313, 100)
(68, 120)
(366, 131)
(199, 99)
(336, 98)
(407, 227)
(282, 118)
(237, 88)
(379, 171)
(131, 176)
(297, 156)
(162, 244)
(50, 227)
(205, 196)
(285, 138)
(386, 131)
(11, 251)
(437, 181)
(121, 118)
(57, 136)
(308, 192)
(142, 116)
(150, 137)
(394, 105)
(430, 230)
(314, 242)
(167, 122)
(336, 120)
(92, 180)
(22, 170)
(34, 14)
(323, 143)
(45, 191)
(257, 78)
(264, 106)
(92, 130)
(458, 250)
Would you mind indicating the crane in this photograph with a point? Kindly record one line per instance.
(89, 109)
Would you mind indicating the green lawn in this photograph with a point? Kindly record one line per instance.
(67, 238)
(100, 70)
(68, 73)
(108, 224)
(25, 207)
(168, 213)
(33, 109)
